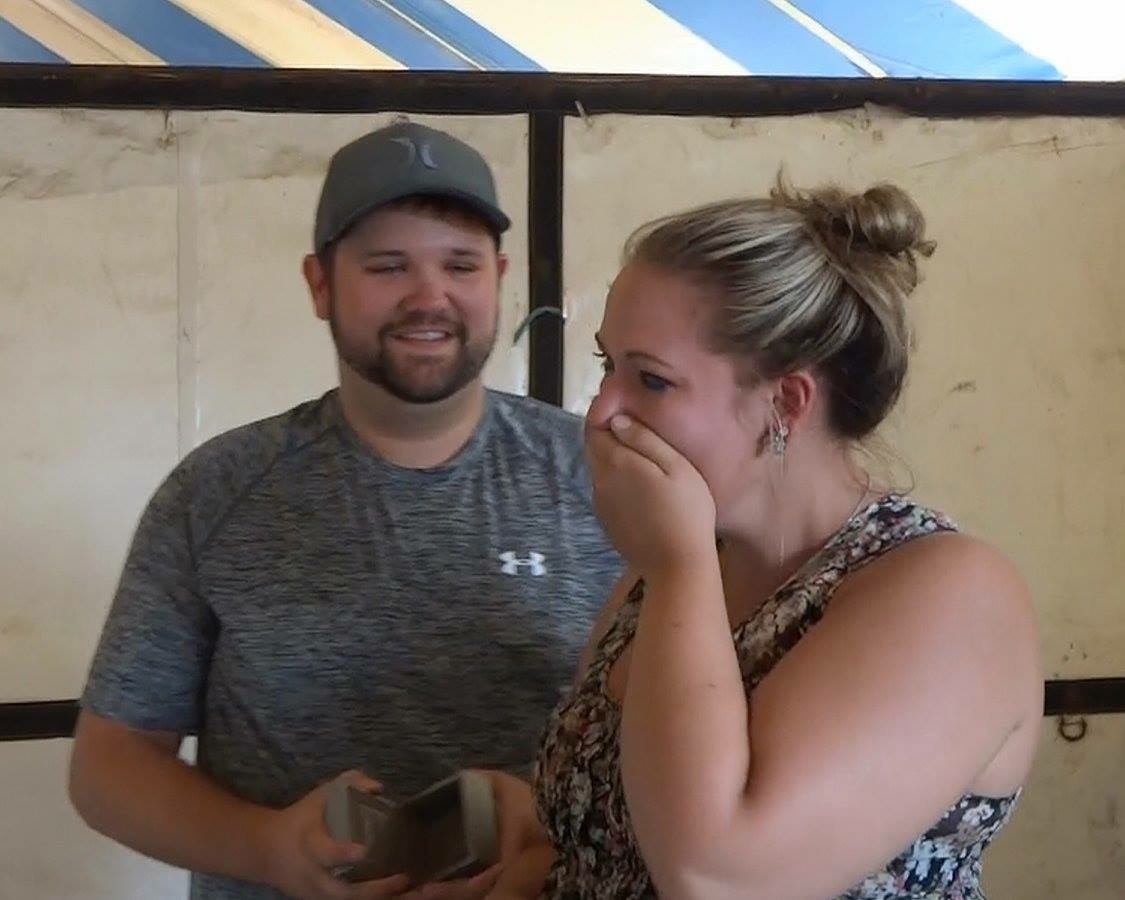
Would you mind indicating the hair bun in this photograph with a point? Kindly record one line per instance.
(883, 218)
(886, 219)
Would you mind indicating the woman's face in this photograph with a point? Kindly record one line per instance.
(660, 370)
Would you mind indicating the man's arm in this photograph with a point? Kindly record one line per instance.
(143, 694)
(131, 786)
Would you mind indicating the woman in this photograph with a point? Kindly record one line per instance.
(841, 695)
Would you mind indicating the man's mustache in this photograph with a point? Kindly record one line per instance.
(426, 320)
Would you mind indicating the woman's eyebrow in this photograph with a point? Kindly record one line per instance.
(636, 354)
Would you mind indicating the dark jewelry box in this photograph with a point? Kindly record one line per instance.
(447, 831)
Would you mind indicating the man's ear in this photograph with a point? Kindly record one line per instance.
(319, 289)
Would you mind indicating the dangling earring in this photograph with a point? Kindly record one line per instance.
(779, 443)
(779, 435)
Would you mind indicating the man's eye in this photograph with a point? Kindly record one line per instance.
(655, 382)
(385, 270)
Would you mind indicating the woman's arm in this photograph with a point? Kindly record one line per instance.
(883, 715)
(684, 746)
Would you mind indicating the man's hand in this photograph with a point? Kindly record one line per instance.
(515, 812)
(473, 888)
(518, 827)
(300, 854)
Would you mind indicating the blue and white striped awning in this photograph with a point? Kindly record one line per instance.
(907, 38)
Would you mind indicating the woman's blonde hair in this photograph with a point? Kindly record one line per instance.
(809, 279)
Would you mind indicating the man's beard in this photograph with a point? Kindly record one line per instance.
(414, 380)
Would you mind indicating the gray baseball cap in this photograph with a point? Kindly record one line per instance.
(402, 160)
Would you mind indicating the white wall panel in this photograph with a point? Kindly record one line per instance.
(1066, 840)
(87, 374)
(48, 853)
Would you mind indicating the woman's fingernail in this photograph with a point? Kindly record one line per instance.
(620, 422)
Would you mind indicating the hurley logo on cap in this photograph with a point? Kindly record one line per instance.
(402, 160)
(415, 152)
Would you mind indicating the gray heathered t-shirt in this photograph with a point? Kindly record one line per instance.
(310, 608)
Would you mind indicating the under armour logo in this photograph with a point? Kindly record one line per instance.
(417, 151)
(513, 564)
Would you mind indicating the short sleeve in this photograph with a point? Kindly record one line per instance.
(150, 667)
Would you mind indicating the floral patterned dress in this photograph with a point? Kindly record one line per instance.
(578, 785)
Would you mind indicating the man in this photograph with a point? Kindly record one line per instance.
(397, 576)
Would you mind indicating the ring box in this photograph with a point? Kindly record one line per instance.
(447, 831)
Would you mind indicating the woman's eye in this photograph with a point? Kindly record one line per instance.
(655, 382)
(605, 362)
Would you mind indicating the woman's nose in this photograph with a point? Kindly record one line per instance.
(607, 403)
